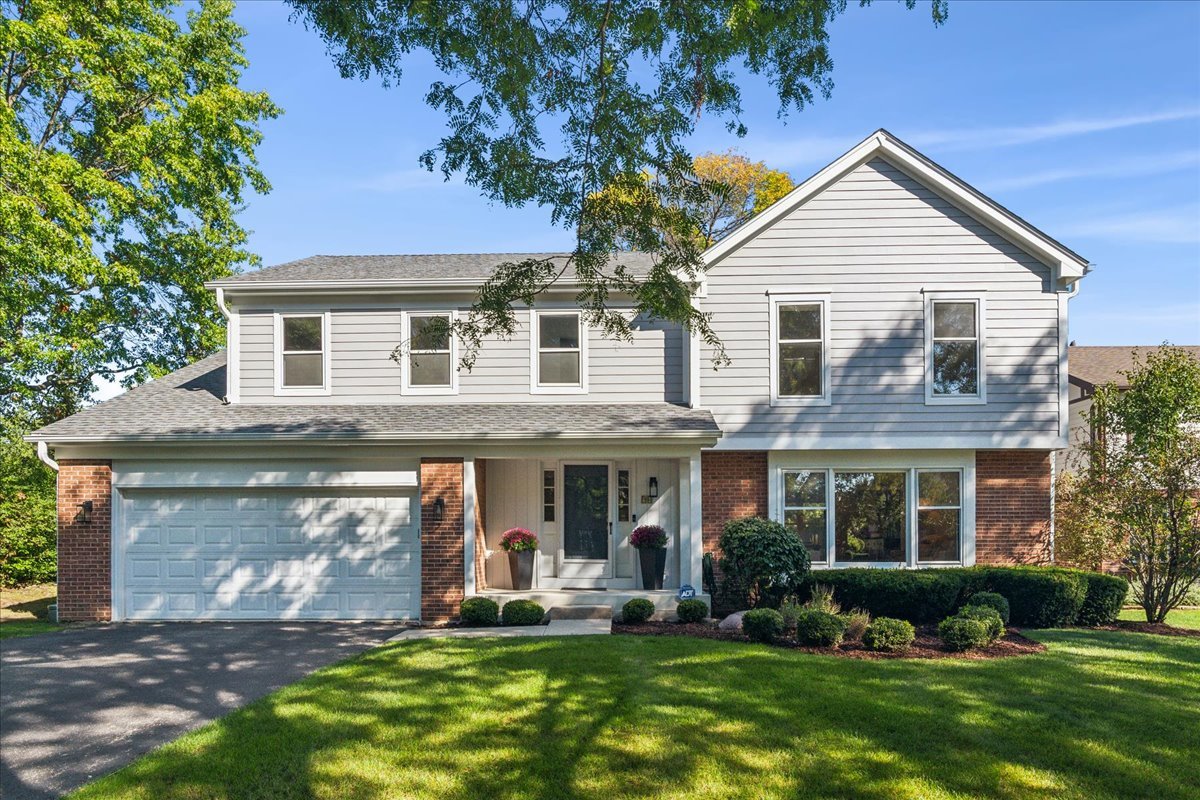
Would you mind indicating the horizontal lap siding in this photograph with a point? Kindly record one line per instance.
(645, 370)
(877, 238)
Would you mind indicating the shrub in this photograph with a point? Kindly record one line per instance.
(990, 618)
(917, 595)
(518, 540)
(992, 600)
(523, 612)
(819, 628)
(1104, 597)
(479, 611)
(639, 609)
(692, 610)
(887, 635)
(762, 624)
(960, 633)
(821, 599)
(790, 609)
(1039, 597)
(762, 561)
(857, 622)
(648, 537)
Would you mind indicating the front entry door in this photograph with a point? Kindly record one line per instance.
(587, 527)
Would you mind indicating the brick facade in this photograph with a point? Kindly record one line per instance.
(733, 484)
(84, 548)
(1012, 507)
(441, 540)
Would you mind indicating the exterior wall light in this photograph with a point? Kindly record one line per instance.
(85, 511)
(653, 487)
(439, 509)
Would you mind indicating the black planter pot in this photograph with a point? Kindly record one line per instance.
(654, 564)
(520, 567)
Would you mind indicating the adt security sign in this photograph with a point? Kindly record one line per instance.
(687, 592)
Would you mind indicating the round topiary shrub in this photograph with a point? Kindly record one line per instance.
(961, 633)
(991, 600)
(762, 562)
(1104, 599)
(523, 612)
(887, 635)
(692, 610)
(819, 628)
(479, 611)
(990, 618)
(639, 609)
(762, 624)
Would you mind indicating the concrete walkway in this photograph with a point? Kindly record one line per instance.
(557, 627)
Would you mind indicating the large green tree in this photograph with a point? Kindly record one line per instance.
(126, 146)
(552, 101)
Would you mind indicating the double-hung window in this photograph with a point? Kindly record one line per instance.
(805, 509)
(302, 353)
(799, 350)
(429, 366)
(559, 352)
(954, 354)
(939, 516)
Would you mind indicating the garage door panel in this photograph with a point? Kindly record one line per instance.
(224, 554)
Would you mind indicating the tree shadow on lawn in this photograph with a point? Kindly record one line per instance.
(1102, 715)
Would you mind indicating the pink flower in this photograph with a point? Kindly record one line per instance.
(648, 536)
(518, 540)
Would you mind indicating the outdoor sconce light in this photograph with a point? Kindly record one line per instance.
(439, 509)
(653, 487)
(85, 511)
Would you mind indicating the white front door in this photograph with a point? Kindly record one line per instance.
(585, 549)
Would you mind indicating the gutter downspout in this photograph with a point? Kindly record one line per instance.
(43, 451)
(232, 377)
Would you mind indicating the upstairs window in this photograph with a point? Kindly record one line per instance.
(302, 357)
(954, 350)
(429, 364)
(560, 352)
(800, 353)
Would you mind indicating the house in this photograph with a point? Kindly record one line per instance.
(897, 391)
(1090, 368)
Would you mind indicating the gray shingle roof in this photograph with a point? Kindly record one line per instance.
(1096, 366)
(416, 268)
(186, 405)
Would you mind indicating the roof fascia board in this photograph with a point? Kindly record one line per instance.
(704, 438)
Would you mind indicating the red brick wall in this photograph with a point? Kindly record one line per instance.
(734, 484)
(480, 524)
(441, 541)
(84, 548)
(1012, 507)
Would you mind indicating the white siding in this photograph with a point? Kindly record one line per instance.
(648, 369)
(876, 240)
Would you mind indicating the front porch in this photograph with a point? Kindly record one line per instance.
(664, 600)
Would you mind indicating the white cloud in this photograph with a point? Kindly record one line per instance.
(1007, 136)
(1167, 226)
(1123, 168)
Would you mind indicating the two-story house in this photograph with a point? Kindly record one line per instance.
(897, 389)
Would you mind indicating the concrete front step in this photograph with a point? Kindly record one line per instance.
(581, 612)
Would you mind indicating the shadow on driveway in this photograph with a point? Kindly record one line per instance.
(80, 704)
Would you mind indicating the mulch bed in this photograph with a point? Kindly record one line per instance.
(1161, 628)
(926, 645)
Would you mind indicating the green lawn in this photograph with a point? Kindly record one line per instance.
(1101, 715)
(24, 611)
(1180, 617)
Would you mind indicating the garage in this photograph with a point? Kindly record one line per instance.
(277, 552)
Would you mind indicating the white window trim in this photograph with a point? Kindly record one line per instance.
(810, 298)
(406, 367)
(535, 384)
(917, 507)
(910, 462)
(979, 300)
(326, 388)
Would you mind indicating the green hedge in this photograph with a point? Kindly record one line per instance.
(1038, 597)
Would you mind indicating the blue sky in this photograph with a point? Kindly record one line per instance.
(1084, 118)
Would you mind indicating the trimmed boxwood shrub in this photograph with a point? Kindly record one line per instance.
(917, 595)
(887, 635)
(1104, 599)
(961, 633)
(479, 611)
(1040, 597)
(523, 612)
(990, 618)
(819, 628)
(762, 624)
(991, 600)
(639, 609)
(692, 610)
(762, 562)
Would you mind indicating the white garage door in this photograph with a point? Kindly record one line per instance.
(269, 554)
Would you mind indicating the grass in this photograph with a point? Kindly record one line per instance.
(1100, 715)
(1180, 617)
(25, 611)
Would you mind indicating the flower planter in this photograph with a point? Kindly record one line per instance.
(654, 565)
(520, 567)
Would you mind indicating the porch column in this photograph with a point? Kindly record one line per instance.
(691, 539)
(469, 509)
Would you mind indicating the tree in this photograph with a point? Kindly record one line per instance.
(1142, 474)
(126, 145)
(28, 529)
(552, 101)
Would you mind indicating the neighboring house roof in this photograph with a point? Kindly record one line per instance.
(440, 269)
(186, 406)
(1090, 367)
(1068, 265)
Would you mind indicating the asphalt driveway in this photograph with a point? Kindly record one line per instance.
(78, 704)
